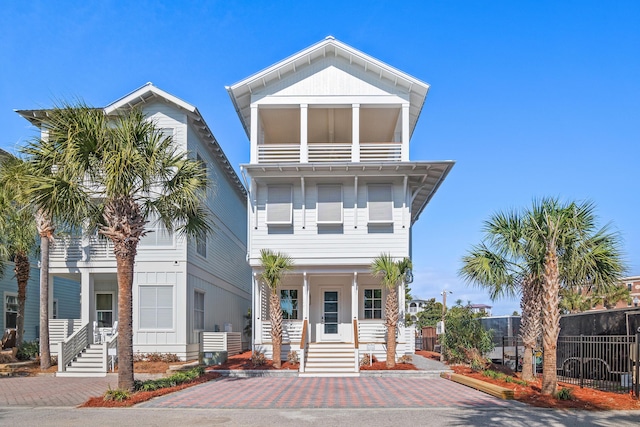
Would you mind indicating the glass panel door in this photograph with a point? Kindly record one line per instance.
(330, 313)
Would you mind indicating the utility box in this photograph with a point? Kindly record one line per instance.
(210, 358)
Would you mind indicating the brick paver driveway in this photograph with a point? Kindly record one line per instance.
(52, 391)
(367, 392)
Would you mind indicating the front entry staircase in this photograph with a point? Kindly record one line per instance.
(89, 363)
(330, 360)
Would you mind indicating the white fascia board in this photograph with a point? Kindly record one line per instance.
(137, 96)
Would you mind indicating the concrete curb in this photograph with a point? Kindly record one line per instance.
(288, 374)
(403, 374)
(254, 373)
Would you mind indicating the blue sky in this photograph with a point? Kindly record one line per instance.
(531, 98)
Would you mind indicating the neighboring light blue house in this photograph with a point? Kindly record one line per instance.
(65, 304)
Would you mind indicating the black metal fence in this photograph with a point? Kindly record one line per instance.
(607, 363)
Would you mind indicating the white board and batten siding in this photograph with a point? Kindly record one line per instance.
(353, 241)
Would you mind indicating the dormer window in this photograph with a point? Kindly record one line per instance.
(279, 205)
(329, 205)
(380, 203)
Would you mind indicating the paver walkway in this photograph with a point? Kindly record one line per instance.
(52, 391)
(363, 392)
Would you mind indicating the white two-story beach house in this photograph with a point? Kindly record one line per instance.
(181, 287)
(332, 186)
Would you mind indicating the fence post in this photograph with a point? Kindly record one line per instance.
(517, 358)
(636, 384)
(503, 350)
(581, 361)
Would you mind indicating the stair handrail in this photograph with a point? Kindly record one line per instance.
(110, 342)
(356, 342)
(72, 346)
(303, 344)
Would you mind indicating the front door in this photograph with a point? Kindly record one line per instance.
(330, 315)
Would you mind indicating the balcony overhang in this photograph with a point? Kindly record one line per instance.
(423, 178)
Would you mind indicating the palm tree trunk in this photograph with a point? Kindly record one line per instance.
(391, 308)
(125, 325)
(22, 270)
(531, 306)
(275, 314)
(550, 321)
(45, 351)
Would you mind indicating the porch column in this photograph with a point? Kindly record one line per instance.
(305, 297)
(254, 134)
(355, 133)
(304, 134)
(86, 293)
(354, 296)
(257, 310)
(405, 133)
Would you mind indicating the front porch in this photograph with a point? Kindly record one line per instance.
(321, 310)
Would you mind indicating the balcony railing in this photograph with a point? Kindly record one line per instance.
(71, 249)
(330, 152)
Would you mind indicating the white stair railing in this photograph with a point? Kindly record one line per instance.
(72, 346)
(109, 352)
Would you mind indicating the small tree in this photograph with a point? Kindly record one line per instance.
(464, 340)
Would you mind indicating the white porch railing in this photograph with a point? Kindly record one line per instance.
(109, 353)
(59, 330)
(291, 331)
(380, 152)
(371, 331)
(72, 346)
(329, 153)
(231, 342)
(66, 248)
(279, 153)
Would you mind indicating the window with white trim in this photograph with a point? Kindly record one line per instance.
(279, 205)
(380, 203)
(201, 245)
(329, 205)
(104, 309)
(157, 234)
(373, 303)
(156, 307)
(10, 310)
(198, 310)
(289, 303)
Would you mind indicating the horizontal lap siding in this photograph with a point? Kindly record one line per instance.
(32, 305)
(355, 242)
(67, 292)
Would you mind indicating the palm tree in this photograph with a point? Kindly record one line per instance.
(122, 171)
(275, 265)
(504, 267)
(392, 274)
(17, 237)
(540, 252)
(576, 253)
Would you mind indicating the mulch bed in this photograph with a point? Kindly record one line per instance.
(243, 362)
(583, 398)
(143, 396)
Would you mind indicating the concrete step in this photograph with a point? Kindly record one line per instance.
(328, 374)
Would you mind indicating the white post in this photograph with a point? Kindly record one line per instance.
(254, 134)
(256, 313)
(355, 133)
(304, 134)
(405, 133)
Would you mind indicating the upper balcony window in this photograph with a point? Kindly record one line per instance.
(329, 206)
(380, 203)
(279, 205)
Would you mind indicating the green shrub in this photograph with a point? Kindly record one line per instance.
(491, 374)
(464, 339)
(564, 394)
(171, 381)
(258, 358)
(28, 350)
(117, 395)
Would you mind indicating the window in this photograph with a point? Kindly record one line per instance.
(167, 133)
(373, 303)
(104, 310)
(157, 235)
(198, 310)
(201, 246)
(329, 208)
(156, 307)
(279, 205)
(629, 286)
(289, 303)
(54, 315)
(380, 203)
(10, 310)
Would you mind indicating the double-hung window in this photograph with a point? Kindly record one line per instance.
(289, 303)
(373, 303)
(10, 310)
(329, 207)
(156, 307)
(198, 311)
(380, 203)
(279, 205)
(104, 310)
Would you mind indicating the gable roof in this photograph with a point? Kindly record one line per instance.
(149, 93)
(240, 92)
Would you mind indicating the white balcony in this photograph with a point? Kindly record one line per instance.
(330, 152)
(77, 249)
